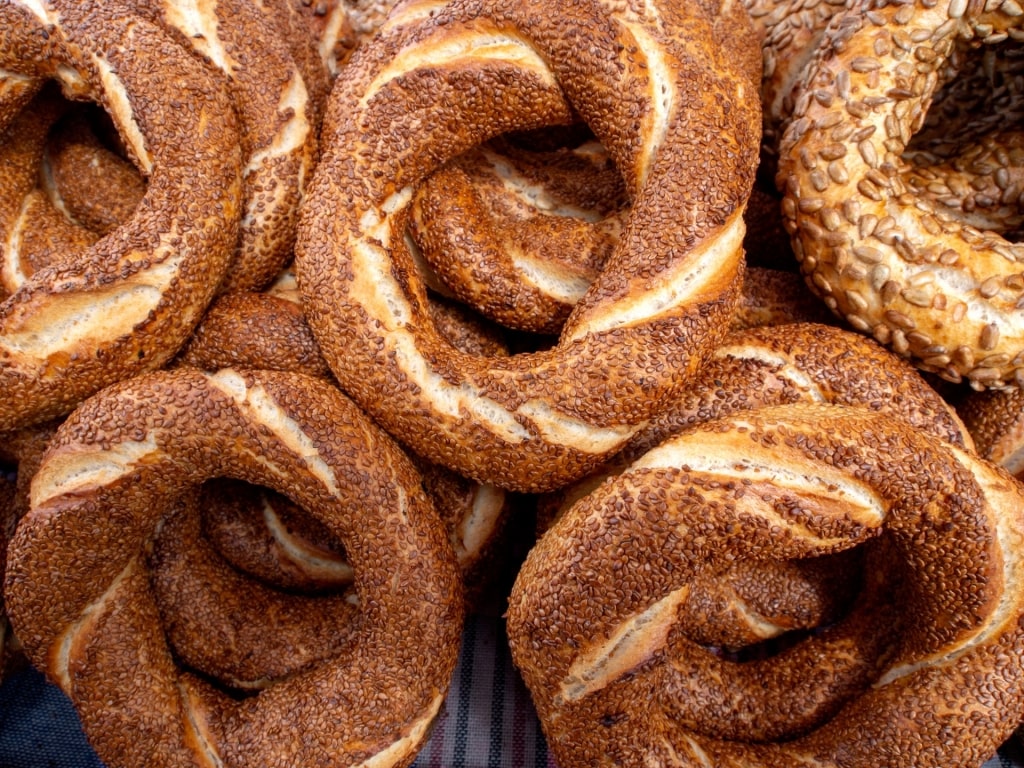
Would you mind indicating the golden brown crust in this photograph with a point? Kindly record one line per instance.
(894, 265)
(248, 46)
(803, 362)
(80, 600)
(242, 632)
(592, 623)
(254, 330)
(97, 188)
(536, 421)
(777, 297)
(129, 304)
(32, 233)
(762, 367)
(20, 454)
(265, 535)
(520, 235)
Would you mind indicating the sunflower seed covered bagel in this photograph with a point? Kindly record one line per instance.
(592, 621)
(130, 303)
(80, 598)
(659, 91)
(893, 264)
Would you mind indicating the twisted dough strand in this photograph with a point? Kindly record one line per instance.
(591, 617)
(129, 305)
(80, 596)
(532, 422)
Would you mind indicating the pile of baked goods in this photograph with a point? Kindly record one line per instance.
(308, 305)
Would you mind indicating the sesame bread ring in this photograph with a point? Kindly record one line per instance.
(262, 534)
(129, 303)
(249, 46)
(591, 619)
(126, 455)
(266, 536)
(763, 367)
(744, 608)
(536, 421)
(894, 265)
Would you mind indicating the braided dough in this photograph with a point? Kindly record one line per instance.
(130, 302)
(893, 264)
(758, 368)
(80, 599)
(592, 626)
(536, 421)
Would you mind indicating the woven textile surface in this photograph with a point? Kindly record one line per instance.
(488, 721)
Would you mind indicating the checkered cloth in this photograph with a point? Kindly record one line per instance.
(488, 721)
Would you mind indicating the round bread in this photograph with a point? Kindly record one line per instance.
(80, 599)
(533, 422)
(893, 264)
(132, 299)
(758, 368)
(262, 534)
(933, 646)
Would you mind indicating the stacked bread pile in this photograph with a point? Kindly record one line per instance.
(299, 295)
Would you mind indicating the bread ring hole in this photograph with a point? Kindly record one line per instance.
(967, 158)
(519, 227)
(265, 535)
(756, 610)
(87, 171)
(70, 183)
(733, 693)
(289, 603)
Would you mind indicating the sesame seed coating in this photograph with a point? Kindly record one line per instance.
(128, 305)
(81, 602)
(664, 100)
(932, 646)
